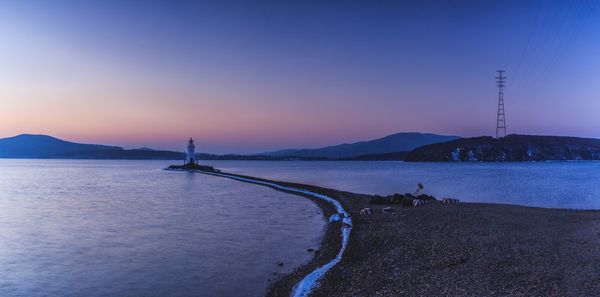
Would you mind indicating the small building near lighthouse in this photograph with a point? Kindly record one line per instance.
(191, 153)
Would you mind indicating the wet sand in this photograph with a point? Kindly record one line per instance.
(465, 249)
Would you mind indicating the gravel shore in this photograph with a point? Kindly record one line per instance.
(465, 249)
(470, 250)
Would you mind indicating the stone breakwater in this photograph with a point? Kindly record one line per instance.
(305, 286)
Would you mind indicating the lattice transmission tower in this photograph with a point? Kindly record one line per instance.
(500, 119)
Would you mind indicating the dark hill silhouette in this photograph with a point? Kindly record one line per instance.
(399, 142)
(510, 148)
(48, 147)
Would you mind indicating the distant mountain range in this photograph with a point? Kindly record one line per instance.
(510, 148)
(48, 147)
(400, 146)
(395, 143)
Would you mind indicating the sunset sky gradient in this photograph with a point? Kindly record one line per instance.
(256, 76)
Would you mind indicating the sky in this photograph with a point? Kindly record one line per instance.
(255, 76)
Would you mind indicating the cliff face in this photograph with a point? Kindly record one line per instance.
(510, 148)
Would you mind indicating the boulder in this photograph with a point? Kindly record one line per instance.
(450, 200)
(407, 202)
(387, 210)
(366, 212)
(419, 202)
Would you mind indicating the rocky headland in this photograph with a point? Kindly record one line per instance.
(510, 148)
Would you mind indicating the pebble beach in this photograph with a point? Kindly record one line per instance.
(464, 249)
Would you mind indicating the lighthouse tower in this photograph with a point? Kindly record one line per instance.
(191, 153)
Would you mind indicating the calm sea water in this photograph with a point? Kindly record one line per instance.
(128, 228)
(542, 184)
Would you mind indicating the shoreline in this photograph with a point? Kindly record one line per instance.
(302, 280)
(465, 249)
(306, 284)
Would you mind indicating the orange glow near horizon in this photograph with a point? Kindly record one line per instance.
(251, 80)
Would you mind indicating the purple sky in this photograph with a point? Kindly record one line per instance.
(243, 78)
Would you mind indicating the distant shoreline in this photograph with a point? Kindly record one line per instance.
(465, 249)
(410, 147)
(312, 160)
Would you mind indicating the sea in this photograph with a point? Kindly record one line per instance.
(130, 228)
(571, 185)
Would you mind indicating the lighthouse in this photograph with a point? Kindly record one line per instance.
(191, 153)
